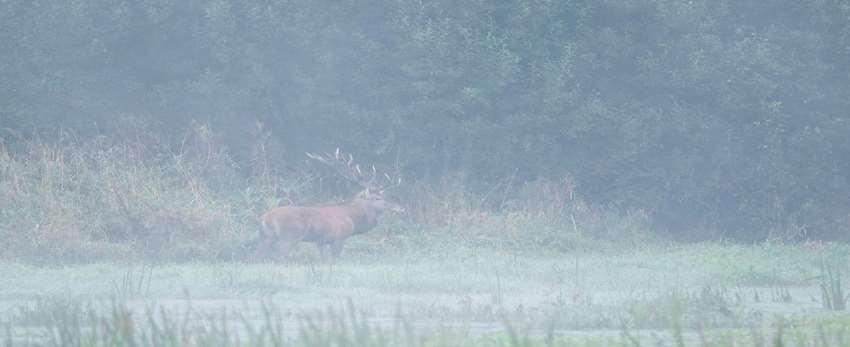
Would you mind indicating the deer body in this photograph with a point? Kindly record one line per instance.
(328, 225)
(331, 225)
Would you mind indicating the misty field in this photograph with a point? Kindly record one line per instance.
(494, 173)
(702, 294)
(101, 249)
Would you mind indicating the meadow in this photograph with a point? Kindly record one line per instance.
(111, 244)
(709, 294)
(567, 173)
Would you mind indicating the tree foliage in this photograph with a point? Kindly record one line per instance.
(725, 116)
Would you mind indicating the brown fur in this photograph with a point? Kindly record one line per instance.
(327, 225)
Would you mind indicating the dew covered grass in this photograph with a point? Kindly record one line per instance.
(685, 294)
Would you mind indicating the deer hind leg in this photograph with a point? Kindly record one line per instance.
(287, 243)
(286, 247)
(264, 245)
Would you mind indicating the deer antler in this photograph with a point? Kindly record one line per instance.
(345, 166)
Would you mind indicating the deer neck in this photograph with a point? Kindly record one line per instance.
(365, 216)
(365, 208)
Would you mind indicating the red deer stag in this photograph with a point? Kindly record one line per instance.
(329, 225)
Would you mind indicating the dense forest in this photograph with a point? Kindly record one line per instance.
(712, 119)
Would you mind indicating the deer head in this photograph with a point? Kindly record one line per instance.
(374, 184)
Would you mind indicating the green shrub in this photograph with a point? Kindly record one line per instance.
(534, 215)
(83, 200)
(74, 200)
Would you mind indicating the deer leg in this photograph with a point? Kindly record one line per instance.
(336, 249)
(323, 250)
(287, 247)
(264, 246)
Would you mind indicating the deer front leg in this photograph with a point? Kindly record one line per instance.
(336, 249)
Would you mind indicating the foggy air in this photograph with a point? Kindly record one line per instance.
(424, 173)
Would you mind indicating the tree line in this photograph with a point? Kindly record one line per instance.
(722, 118)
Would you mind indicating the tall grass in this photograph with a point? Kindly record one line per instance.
(78, 200)
(832, 262)
(68, 199)
(69, 323)
(538, 214)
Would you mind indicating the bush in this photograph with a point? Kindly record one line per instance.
(534, 215)
(82, 200)
(72, 200)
